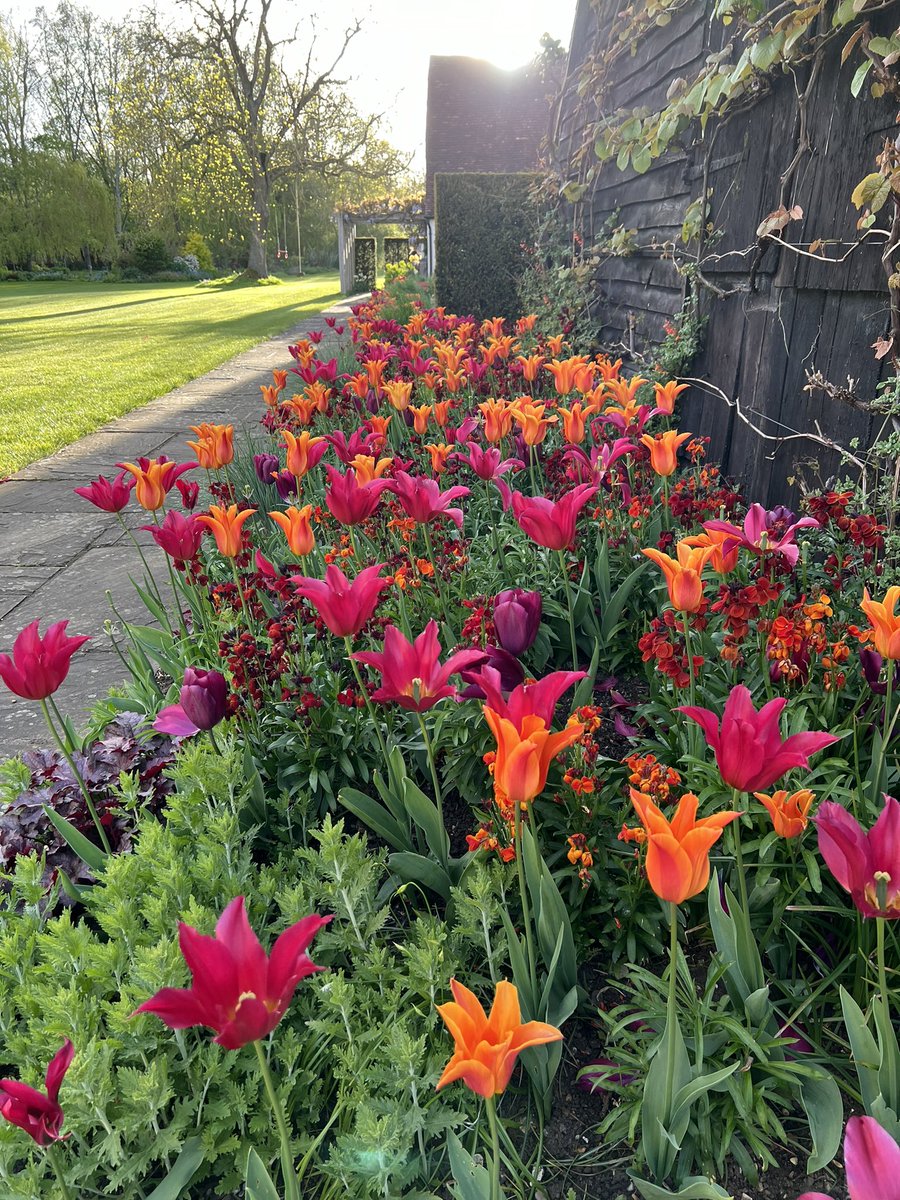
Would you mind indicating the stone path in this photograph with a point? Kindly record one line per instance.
(59, 556)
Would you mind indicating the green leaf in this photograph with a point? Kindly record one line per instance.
(427, 816)
(472, 1181)
(642, 161)
(183, 1171)
(686, 1096)
(86, 851)
(844, 13)
(863, 1048)
(859, 77)
(259, 1181)
(416, 868)
(821, 1098)
(376, 816)
(695, 1188)
(871, 192)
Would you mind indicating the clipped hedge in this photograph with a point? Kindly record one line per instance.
(364, 261)
(482, 223)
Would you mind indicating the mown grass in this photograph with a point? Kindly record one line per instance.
(75, 355)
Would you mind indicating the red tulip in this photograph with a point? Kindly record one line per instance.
(749, 751)
(865, 863)
(551, 525)
(345, 607)
(423, 500)
(39, 665)
(203, 703)
(110, 495)
(487, 464)
(38, 1113)
(349, 501)
(871, 1160)
(537, 699)
(237, 989)
(411, 673)
(178, 535)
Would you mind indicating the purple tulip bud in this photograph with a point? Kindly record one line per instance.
(266, 466)
(871, 663)
(517, 618)
(203, 697)
(512, 673)
(286, 484)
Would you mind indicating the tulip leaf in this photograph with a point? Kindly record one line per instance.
(75, 839)
(259, 1181)
(686, 1096)
(821, 1097)
(376, 816)
(694, 1188)
(416, 868)
(889, 1054)
(864, 1049)
(472, 1181)
(425, 813)
(183, 1171)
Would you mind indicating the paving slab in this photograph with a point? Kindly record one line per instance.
(59, 556)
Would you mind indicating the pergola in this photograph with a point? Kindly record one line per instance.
(383, 212)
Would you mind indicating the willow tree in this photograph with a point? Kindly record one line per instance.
(263, 104)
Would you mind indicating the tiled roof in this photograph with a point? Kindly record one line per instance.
(482, 118)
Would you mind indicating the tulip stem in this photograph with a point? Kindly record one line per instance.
(882, 972)
(739, 855)
(287, 1157)
(376, 725)
(565, 575)
(54, 1159)
(671, 1011)
(887, 729)
(490, 1107)
(151, 582)
(79, 778)
(688, 654)
(437, 578)
(429, 750)
(526, 909)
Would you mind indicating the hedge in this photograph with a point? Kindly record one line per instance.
(482, 222)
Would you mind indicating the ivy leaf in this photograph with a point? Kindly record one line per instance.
(871, 192)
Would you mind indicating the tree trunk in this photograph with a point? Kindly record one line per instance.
(257, 263)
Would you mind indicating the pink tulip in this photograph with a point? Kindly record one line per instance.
(487, 464)
(349, 501)
(866, 863)
(757, 533)
(423, 500)
(871, 1160)
(551, 524)
(109, 495)
(345, 607)
(39, 664)
(749, 751)
(178, 535)
(38, 1113)
(537, 699)
(411, 672)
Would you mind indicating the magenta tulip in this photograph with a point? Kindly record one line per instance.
(38, 1113)
(537, 699)
(202, 704)
(423, 500)
(110, 495)
(411, 673)
(350, 501)
(551, 524)
(759, 532)
(871, 1160)
(178, 535)
(345, 607)
(39, 664)
(866, 863)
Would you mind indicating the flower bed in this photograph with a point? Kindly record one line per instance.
(553, 775)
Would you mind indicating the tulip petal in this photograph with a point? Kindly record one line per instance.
(288, 962)
(175, 722)
(884, 837)
(57, 1067)
(234, 934)
(872, 1161)
(178, 1008)
(843, 845)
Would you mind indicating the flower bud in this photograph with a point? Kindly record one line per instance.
(265, 465)
(203, 697)
(517, 618)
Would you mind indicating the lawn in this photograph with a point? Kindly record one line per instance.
(80, 354)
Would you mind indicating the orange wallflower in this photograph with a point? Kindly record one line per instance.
(531, 420)
(530, 366)
(524, 755)
(664, 450)
(442, 411)
(226, 525)
(215, 445)
(367, 468)
(439, 452)
(301, 451)
(678, 851)
(573, 420)
(421, 413)
(666, 395)
(498, 419)
(885, 622)
(297, 528)
(399, 392)
(486, 1047)
(683, 574)
(788, 812)
(722, 561)
(565, 372)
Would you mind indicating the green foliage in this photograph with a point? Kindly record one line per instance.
(52, 210)
(195, 243)
(150, 254)
(483, 224)
(364, 264)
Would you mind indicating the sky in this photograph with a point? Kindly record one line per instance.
(387, 62)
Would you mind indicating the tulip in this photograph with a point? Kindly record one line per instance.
(666, 395)
(412, 675)
(871, 1160)
(487, 464)
(530, 365)
(367, 469)
(190, 494)
(295, 524)
(109, 495)
(678, 851)
(39, 664)
(664, 450)
(885, 622)
(422, 499)
(303, 452)
(507, 666)
(226, 525)
(178, 535)
(531, 420)
(749, 751)
(497, 419)
(285, 484)
(625, 416)
(266, 467)
(517, 618)
(399, 392)
(788, 812)
(203, 703)
(374, 372)
(345, 607)
(725, 549)
(574, 423)
(350, 501)
(237, 989)
(524, 754)
(536, 699)
(758, 534)
(215, 445)
(865, 863)
(361, 441)
(550, 524)
(486, 1048)
(683, 574)
(565, 373)
(153, 480)
(420, 413)
(38, 1113)
(302, 409)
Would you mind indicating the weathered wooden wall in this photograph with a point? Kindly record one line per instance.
(800, 315)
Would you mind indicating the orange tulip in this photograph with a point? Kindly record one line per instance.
(722, 561)
(678, 851)
(451, 358)
(629, 412)
(486, 1048)
(297, 529)
(455, 381)
(788, 812)
(526, 324)
(379, 426)
(493, 326)
(531, 420)
(399, 392)
(498, 419)
(270, 395)
(304, 352)
(489, 353)
(416, 323)
(664, 450)
(625, 390)
(565, 372)
(530, 366)
(301, 452)
(303, 409)
(430, 380)
(319, 394)
(502, 346)
(524, 755)
(439, 452)
(280, 378)
(226, 527)
(359, 385)
(421, 413)
(367, 468)
(374, 371)
(573, 420)
(442, 412)
(149, 487)
(215, 447)
(556, 343)
(885, 622)
(584, 378)
(608, 369)
(667, 394)
(463, 332)
(683, 574)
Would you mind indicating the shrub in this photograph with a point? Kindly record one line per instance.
(187, 264)
(195, 245)
(150, 253)
(482, 224)
(364, 260)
